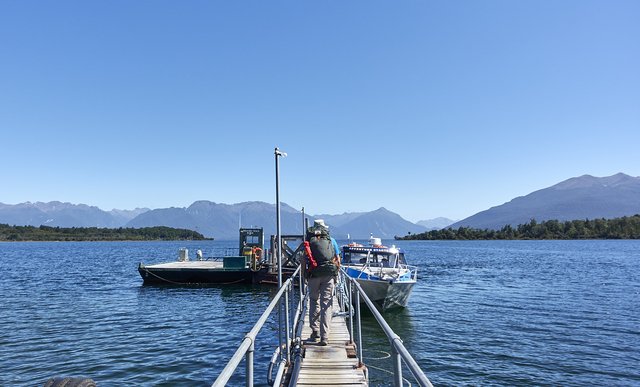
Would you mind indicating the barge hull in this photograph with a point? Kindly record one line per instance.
(184, 276)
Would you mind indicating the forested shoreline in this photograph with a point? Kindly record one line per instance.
(626, 227)
(62, 234)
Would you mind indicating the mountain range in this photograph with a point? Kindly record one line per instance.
(64, 215)
(223, 220)
(584, 197)
(217, 220)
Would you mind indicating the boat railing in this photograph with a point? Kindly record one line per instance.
(368, 268)
(281, 356)
(352, 293)
(412, 269)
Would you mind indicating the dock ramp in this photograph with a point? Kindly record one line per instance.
(299, 362)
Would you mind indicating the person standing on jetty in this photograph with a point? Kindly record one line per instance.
(323, 264)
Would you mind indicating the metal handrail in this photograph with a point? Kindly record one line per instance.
(399, 351)
(293, 350)
(247, 345)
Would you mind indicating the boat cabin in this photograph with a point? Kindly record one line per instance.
(373, 256)
(250, 249)
(250, 238)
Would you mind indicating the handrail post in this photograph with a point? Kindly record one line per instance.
(249, 365)
(351, 312)
(397, 366)
(359, 327)
(287, 321)
(280, 326)
(300, 282)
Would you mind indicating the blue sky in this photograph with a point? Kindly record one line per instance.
(426, 108)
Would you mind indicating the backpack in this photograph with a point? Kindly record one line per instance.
(322, 250)
(322, 232)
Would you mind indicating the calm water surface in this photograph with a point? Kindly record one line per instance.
(500, 313)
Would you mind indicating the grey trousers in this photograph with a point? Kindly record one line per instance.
(320, 304)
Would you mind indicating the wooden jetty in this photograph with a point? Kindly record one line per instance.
(335, 364)
(309, 364)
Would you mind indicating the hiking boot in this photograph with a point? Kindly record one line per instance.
(323, 342)
(314, 336)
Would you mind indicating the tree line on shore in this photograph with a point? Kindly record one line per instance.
(626, 227)
(46, 233)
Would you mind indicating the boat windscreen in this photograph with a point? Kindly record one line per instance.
(401, 259)
(373, 258)
(352, 257)
(391, 259)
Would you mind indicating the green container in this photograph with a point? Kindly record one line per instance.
(234, 262)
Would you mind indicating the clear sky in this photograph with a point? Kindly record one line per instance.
(427, 108)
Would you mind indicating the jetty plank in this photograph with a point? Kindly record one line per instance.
(330, 365)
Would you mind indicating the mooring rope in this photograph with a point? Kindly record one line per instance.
(160, 278)
(389, 372)
(385, 355)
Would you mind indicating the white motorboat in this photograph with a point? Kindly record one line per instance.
(381, 271)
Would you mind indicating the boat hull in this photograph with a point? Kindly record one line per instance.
(194, 274)
(387, 294)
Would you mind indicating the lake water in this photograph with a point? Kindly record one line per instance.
(501, 313)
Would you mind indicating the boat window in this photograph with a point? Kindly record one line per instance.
(401, 259)
(378, 259)
(374, 258)
(352, 257)
(362, 258)
(252, 240)
(388, 260)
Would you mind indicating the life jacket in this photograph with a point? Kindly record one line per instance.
(322, 251)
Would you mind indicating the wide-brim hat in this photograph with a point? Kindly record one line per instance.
(319, 223)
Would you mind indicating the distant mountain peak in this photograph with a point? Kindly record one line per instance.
(586, 181)
(436, 223)
(206, 202)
